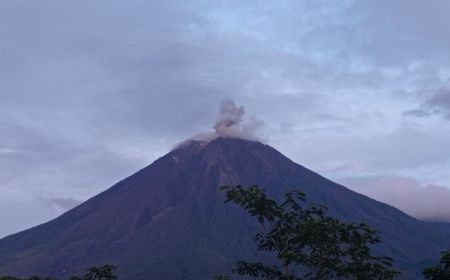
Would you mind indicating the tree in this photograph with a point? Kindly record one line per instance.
(440, 271)
(105, 272)
(34, 277)
(308, 243)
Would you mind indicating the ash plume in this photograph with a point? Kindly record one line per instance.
(230, 118)
(231, 123)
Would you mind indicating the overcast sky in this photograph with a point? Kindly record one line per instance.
(91, 91)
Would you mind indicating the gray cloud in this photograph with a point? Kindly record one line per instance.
(417, 113)
(438, 103)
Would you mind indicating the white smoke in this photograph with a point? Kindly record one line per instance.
(232, 124)
(230, 118)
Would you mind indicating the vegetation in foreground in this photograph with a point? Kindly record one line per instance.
(307, 242)
(440, 271)
(105, 272)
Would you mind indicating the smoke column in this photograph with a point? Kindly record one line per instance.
(231, 123)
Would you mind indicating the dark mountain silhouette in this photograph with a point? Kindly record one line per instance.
(168, 221)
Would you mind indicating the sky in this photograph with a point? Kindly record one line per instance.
(92, 91)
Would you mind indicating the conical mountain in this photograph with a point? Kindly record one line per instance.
(168, 221)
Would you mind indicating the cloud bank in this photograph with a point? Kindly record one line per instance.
(431, 202)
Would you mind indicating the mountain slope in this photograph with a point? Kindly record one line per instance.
(168, 221)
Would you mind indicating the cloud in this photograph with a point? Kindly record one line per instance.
(102, 90)
(431, 202)
(436, 104)
(7, 151)
(61, 204)
(417, 113)
(402, 32)
(21, 214)
(440, 103)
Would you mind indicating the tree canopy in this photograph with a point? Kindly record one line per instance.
(308, 243)
(440, 271)
(105, 272)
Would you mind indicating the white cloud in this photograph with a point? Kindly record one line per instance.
(429, 202)
(9, 151)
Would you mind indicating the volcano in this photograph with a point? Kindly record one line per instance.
(169, 221)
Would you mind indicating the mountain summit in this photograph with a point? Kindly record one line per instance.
(169, 221)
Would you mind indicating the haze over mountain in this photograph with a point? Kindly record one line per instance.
(168, 221)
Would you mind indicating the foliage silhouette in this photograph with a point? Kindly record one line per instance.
(105, 272)
(308, 243)
(440, 271)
